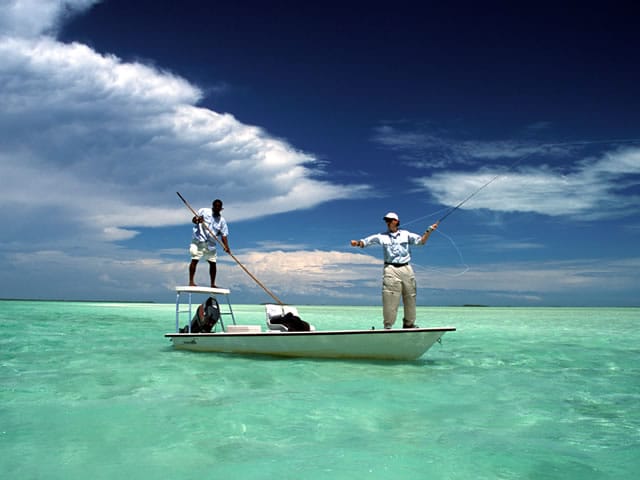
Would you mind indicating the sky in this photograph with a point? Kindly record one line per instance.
(517, 125)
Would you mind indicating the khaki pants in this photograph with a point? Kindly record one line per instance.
(398, 282)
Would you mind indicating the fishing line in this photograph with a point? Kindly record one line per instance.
(509, 168)
(462, 262)
(453, 209)
(440, 232)
(442, 272)
(521, 158)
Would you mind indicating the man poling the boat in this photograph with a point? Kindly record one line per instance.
(398, 280)
(203, 246)
(216, 239)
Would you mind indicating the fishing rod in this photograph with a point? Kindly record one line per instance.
(269, 292)
(453, 209)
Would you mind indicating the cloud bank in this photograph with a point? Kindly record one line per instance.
(81, 130)
(561, 181)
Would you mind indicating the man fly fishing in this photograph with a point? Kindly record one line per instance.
(398, 278)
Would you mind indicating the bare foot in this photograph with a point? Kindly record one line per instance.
(191, 284)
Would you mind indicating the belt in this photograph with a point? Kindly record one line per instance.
(396, 264)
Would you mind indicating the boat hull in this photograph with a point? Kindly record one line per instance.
(399, 344)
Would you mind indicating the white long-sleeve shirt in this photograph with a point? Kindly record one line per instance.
(396, 246)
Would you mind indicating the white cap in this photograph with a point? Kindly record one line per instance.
(391, 215)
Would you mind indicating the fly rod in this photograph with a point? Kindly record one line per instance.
(269, 292)
(453, 209)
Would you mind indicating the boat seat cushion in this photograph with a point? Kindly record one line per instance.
(276, 311)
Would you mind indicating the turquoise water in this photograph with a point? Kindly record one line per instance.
(94, 390)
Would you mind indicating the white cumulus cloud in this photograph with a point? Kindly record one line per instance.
(80, 129)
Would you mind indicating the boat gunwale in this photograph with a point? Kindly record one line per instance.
(272, 333)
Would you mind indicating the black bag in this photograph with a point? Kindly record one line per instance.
(292, 322)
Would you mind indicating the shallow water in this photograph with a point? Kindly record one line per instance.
(95, 390)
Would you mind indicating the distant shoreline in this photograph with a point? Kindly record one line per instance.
(72, 301)
(465, 305)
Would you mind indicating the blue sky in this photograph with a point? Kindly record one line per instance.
(311, 121)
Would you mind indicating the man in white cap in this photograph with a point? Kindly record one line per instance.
(398, 279)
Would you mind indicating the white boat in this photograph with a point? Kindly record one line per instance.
(275, 339)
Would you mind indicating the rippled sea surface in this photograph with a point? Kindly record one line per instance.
(94, 390)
